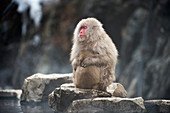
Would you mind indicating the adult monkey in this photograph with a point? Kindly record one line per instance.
(89, 35)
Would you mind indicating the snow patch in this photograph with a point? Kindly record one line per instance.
(35, 9)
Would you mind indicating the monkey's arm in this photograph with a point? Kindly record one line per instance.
(99, 60)
(75, 64)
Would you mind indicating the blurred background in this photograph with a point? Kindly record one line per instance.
(36, 37)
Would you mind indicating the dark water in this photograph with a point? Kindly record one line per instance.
(10, 105)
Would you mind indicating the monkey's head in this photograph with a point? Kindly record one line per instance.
(89, 29)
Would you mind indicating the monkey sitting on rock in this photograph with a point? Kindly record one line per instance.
(93, 56)
(89, 77)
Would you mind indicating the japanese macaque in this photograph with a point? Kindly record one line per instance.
(93, 56)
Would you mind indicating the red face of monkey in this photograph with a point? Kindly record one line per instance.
(82, 31)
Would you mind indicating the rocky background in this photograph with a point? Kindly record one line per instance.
(139, 28)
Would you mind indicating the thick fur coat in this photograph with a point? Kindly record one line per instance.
(97, 41)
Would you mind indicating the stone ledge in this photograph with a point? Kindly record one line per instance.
(37, 87)
(68, 98)
(61, 98)
(105, 105)
(155, 106)
(11, 93)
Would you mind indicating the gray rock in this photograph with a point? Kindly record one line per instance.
(130, 63)
(117, 90)
(10, 93)
(105, 105)
(144, 55)
(157, 106)
(37, 87)
(61, 98)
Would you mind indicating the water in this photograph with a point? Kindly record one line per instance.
(11, 105)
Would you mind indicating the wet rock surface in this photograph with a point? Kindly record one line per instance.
(37, 87)
(11, 93)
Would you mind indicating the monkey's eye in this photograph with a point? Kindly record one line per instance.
(84, 27)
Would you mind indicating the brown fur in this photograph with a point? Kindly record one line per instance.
(104, 60)
(84, 74)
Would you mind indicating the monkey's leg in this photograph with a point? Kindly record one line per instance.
(107, 77)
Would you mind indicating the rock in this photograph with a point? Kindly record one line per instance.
(10, 93)
(157, 106)
(117, 90)
(37, 87)
(105, 105)
(61, 98)
(144, 71)
(129, 63)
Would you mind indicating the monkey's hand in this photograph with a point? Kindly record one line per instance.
(75, 64)
(86, 62)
